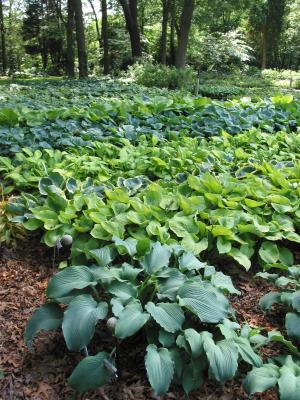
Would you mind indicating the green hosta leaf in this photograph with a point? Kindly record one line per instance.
(80, 319)
(127, 246)
(182, 225)
(222, 358)
(269, 252)
(157, 259)
(195, 340)
(205, 302)
(102, 256)
(189, 262)
(64, 282)
(131, 320)
(292, 324)
(261, 379)
(168, 315)
(160, 368)
(289, 384)
(276, 336)
(90, 373)
(48, 317)
(267, 301)
(169, 287)
(247, 353)
(296, 300)
(223, 282)
(240, 257)
(123, 290)
(165, 338)
(223, 245)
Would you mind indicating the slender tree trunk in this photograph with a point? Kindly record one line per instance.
(70, 62)
(184, 30)
(104, 34)
(264, 49)
(97, 27)
(80, 38)
(3, 42)
(164, 31)
(130, 14)
(172, 33)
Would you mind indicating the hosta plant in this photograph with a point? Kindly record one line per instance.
(178, 301)
(288, 295)
(283, 372)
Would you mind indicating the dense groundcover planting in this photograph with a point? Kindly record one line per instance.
(158, 196)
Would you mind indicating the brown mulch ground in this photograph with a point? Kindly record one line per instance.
(42, 375)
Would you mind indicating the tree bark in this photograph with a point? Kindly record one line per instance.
(164, 31)
(172, 33)
(97, 27)
(70, 62)
(3, 42)
(130, 13)
(104, 34)
(80, 38)
(184, 30)
(264, 49)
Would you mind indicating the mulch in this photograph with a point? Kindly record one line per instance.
(42, 375)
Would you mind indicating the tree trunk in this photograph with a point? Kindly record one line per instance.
(80, 38)
(70, 64)
(264, 49)
(104, 34)
(164, 31)
(3, 43)
(172, 33)
(184, 30)
(97, 27)
(130, 13)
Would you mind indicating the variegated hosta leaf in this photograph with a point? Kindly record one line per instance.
(160, 368)
(168, 315)
(80, 319)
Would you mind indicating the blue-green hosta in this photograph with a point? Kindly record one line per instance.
(283, 372)
(177, 300)
(288, 295)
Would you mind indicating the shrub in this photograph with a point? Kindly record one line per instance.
(148, 74)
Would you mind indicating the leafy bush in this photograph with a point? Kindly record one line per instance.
(161, 76)
(220, 51)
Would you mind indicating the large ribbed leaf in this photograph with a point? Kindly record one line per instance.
(246, 352)
(157, 258)
(168, 315)
(102, 256)
(80, 319)
(189, 262)
(222, 357)
(169, 287)
(267, 301)
(90, 373)
(204, 301)
(48, 317)
(195, 341)
(292, 324)
(123, 290)
(160, 368)
(260, 379)
(131, 320)
(289, 384)
(64, 282)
